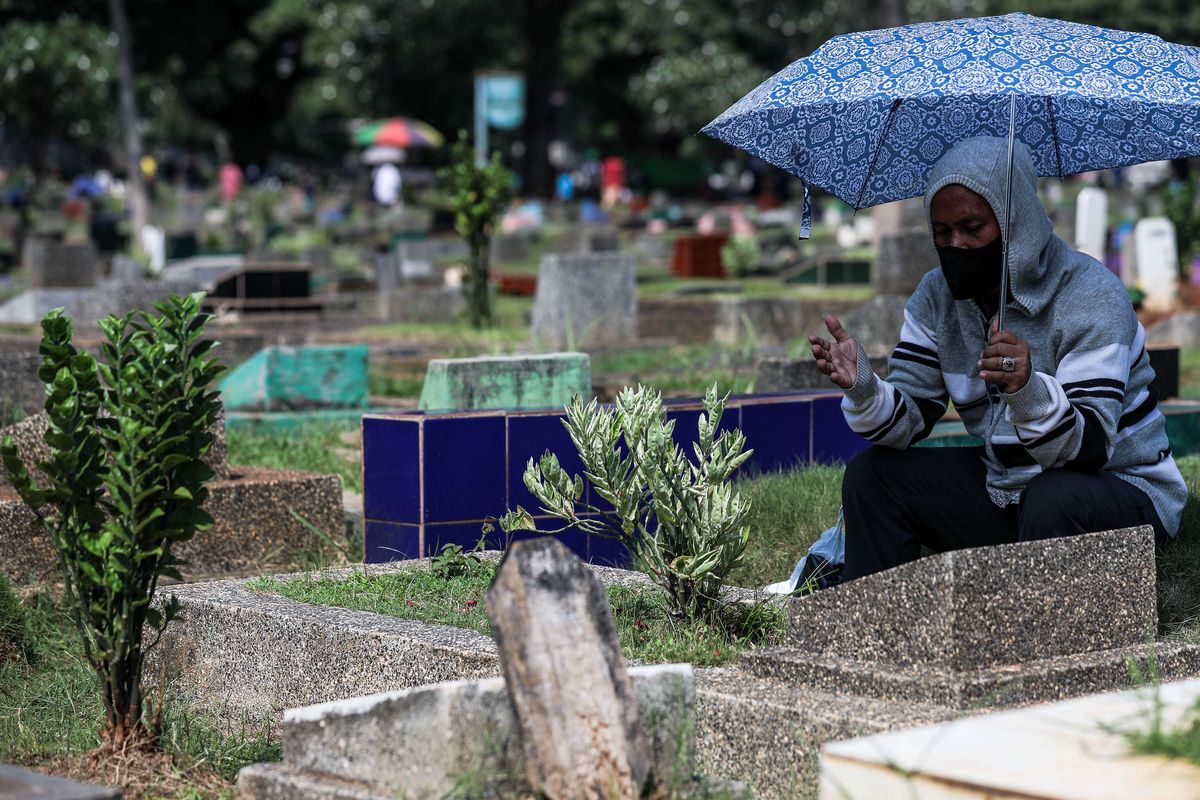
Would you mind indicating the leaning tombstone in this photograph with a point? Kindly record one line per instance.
(585, 299)
(571, 695)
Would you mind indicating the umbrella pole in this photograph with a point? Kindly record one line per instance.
(1012, 130)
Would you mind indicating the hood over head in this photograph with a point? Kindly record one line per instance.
(981, 165)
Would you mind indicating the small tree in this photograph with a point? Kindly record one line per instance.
(1181, 205)
(478, 195)
(124, 483)
(683, 520)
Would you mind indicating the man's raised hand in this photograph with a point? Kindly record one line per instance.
(837, 359)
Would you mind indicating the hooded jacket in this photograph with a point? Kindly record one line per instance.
(1089, 404)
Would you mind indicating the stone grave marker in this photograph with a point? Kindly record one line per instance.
(1150, 261)
(53, 265)
(988, 626)
(20, 784)
(1091, 222)
(573, 700)
(507, 382)
(510, 247)
(585, 299)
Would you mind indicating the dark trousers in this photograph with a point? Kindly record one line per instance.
(897, 501)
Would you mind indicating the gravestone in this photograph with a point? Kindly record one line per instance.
(1091, 222)
(903, 260)
(22, 392)
(904, 247)
(510, 247)
(585, 300)
(971, 628)
(21, 784)
(505, 382)
(421, 742)
(699, 256)
(54, 265)
(298, 378)
(580, 728)
(1155, 263)
(127, 270)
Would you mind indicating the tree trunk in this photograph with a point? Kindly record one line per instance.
(478, 296)
(543, 33)
(127, 106)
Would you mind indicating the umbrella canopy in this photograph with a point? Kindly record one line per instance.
(398, 132)
(867, 114)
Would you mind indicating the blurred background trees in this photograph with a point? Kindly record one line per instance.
(286, 77)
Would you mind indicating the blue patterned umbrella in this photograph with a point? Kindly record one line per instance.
(866, 115)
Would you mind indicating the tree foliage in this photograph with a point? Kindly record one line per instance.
(55, 82)
(124, 483)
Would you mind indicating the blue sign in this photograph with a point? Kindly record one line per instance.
(503, 95)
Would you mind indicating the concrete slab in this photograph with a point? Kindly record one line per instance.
(1072, 750)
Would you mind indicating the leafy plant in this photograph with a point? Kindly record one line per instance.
(478, 195)
(123, 484)
(683, 520)
(454, 562)
(1181, 205)
(740, 255)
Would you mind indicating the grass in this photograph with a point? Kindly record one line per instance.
(1189, 372)
(675, 371)
(1180, 741)
(50, 711)
(458, 339)
(788, 511)
(645, 629)
(320, 448)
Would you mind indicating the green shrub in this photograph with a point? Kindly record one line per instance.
(124, 482)
(740, 255)
(683, 520)
(478, 195)
(16, 639)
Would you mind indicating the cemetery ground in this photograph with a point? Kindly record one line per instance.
(49, 710)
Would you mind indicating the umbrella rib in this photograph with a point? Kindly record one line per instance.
(1054, 135)
(878, 146)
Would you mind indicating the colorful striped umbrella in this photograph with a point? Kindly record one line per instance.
(398, 132)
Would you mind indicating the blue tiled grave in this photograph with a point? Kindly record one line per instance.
(433, 479)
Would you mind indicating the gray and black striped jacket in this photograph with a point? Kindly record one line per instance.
(1089, 404)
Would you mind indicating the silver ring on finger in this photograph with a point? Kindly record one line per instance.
(1008, 364)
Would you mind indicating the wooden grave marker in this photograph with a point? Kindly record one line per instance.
(571, 694)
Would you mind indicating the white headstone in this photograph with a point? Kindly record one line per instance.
(1091, 222)
(154, 243)
(1156, 263)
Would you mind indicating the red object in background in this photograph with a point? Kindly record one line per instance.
(75, 209)
(612, 175)
(766, 201)
(699, 256)
(230, 179)
(515, 285)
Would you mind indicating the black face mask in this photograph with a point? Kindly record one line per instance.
(972, 272)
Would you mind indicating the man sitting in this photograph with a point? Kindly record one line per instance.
(1062, 398)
